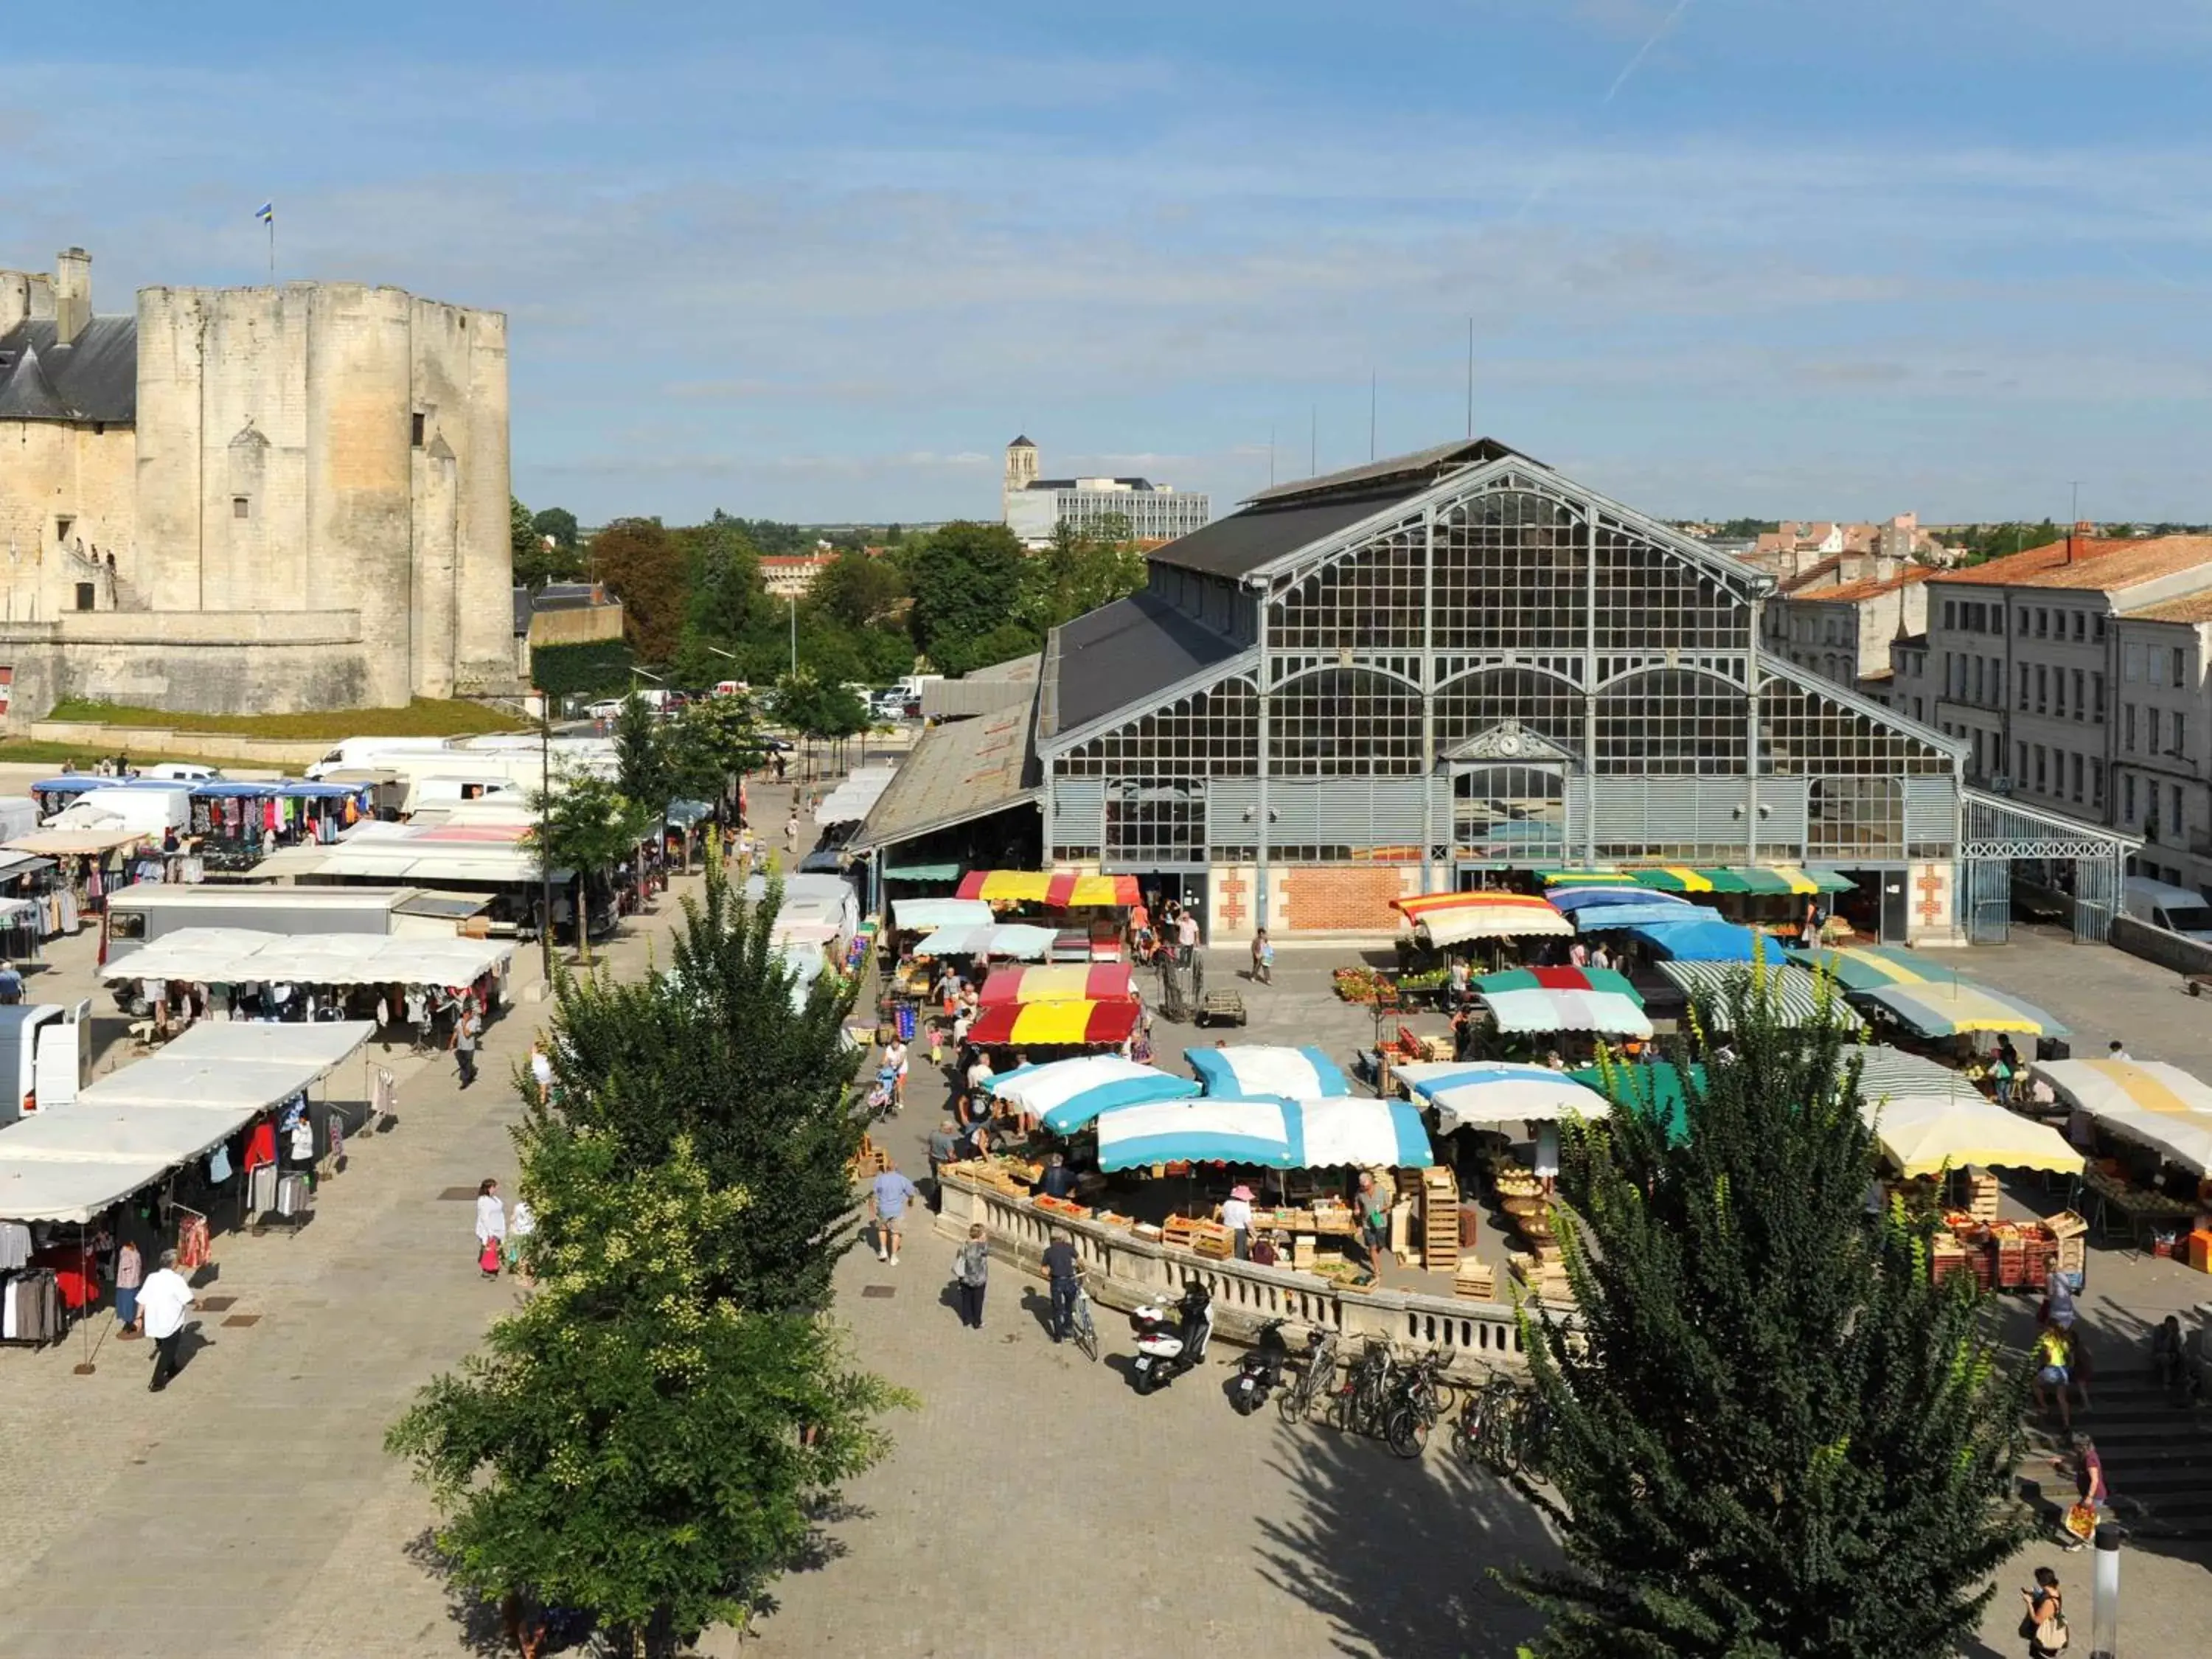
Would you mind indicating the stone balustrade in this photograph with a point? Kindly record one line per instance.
(1124, 1271)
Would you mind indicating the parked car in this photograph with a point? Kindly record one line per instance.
(179, 772)
(605, 709)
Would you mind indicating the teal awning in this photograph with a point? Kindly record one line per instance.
(924, 872)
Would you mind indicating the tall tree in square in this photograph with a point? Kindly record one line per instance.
(642, 565)
(1772, 1435)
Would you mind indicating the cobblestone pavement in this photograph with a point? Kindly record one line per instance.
(1033, 1503)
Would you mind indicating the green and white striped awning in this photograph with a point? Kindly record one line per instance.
(1901, 1076)
(1797, 995)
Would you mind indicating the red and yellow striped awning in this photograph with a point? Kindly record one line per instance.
(1053, 1024)
(1060, 889)
(1098, 982)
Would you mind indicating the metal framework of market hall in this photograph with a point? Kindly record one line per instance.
(1424, 672)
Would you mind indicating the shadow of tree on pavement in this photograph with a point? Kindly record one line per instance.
(1400, 1555)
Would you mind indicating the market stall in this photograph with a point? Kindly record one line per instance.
(232, 955)
(1053, 1024)
(1896, 1075)
(1064, 1095)
(1625, 910)
(1491, 1093)
(1946, 1008)
(1800, 999)
(1920, 1136)
(1265, 1134)
(1252, 1071)
(1055, 890)
(1544, 999)
(1869, 967)
(930, 915)
(1765, 880)
(1704, 939)
(1613, 890)
(1005, 941)
(1098, 982)
(1445, 919)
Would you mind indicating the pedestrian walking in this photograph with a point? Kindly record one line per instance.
(895, 1065)
(541, 1073)
(130, 1274)
(467, 1032)
(520, 1227)
(1372, 1212)
(11, 985)
(1064, 1276)
(162, 1300)
(491, 1228)
(2079, 1524)
(944, 1149)
(888, 1196)
(1263, 958)
(971, 1269)
(2044, 1623)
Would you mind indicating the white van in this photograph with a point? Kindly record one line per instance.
(373, 752)
(143, 807)
(2177, 910)
(45, 1055)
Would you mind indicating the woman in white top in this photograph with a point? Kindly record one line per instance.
(491, 1227)
(1236, 1216)
(894, 1063)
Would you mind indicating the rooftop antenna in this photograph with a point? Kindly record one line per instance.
(1470, 379)
(2073, 519)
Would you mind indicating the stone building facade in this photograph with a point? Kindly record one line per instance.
(251, 499)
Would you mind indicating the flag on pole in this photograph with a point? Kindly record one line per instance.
(266, 213)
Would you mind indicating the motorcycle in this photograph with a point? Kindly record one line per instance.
(1260, 1372)
(1169, 1344)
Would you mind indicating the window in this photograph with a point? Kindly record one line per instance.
(2128, 725)
(2128, 799)
(2154, 666)
(2097, 629)
(241, 508)
(2023, 624)
(2042, 623)
(2077, 777)
(415, 434)
(63, 523)
(2179, 831)
(2131, 663)
(1919, 709)
(85, 600)
(2156, 747)
(2097, 688)
(2180, 725)
(2058, 693)
(2179, 669)
(2039, 758)
(2080, 704)
(2042, 688)
(2097, 783)
(2021, 771)
(2080, 624)
(2023, 687)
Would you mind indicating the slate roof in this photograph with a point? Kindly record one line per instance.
(1405, 473)
(959, 771)
(94, 377)
(1122, 654)
(1243, 542)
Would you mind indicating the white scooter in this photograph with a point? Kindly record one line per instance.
(1168, 1345)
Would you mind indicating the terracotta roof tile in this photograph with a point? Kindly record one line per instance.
(2098, 566)
(2194, 608)
(1850, 592)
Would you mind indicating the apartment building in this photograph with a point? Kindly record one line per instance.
(1839, 619)
(2024, 657)
(2161, 763)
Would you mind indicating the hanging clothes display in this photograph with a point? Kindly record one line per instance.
(192, 1247)
(31, 1309)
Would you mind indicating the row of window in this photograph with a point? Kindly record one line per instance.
(2171, 826)
(2042, 622)
(2060, 774)
(2154, 664)
(2166, 729)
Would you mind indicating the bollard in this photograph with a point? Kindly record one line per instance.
(2104, 1595)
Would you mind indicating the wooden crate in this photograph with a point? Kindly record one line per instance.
(1302, 1252)
(2065, 1224)
(1476, 1281)
(1178, 1230)
(2073, 1255)
(1439, 1220)
(1982, 1196)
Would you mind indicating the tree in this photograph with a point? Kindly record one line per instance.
(964, 585)
(712, 745)
(536, 563)
(587, 824)
(717, 1055)
(1773, 1438)
(723, 568)
(1079, 571)
(558, 525)
(631, 1442)
(643, 775)
(818, 710)
(643, 567)
(857, 590)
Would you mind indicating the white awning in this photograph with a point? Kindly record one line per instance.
(854, 799)
(401, 862)
(228, 955)
(129, 1129)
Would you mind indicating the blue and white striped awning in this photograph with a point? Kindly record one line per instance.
(1251, 1070)
(1312, 1134)
(1497, 1091)
(1066, 1094)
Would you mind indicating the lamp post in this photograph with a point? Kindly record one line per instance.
(544, 826)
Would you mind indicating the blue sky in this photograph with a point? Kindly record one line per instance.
(1724, 256)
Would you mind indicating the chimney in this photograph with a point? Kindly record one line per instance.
(72, 294)
(2077, 539)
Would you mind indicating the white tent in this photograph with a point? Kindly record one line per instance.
(129, 1129)
(230, 955)
(856, 797)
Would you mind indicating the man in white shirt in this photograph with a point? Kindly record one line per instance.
(162, 1300)
(1187, 933)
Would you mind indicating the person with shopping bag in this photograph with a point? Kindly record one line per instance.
(491, 1228)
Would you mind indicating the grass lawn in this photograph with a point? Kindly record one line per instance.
(85, 757)
(425, 717)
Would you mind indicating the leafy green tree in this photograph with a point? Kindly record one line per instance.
(584, 824)
(642, 565)
(536, 563)
(719, 1053)
(963, 586)
(644, 772)
(1080, 571)
(557, 525)
(858, 590)
(632, 1442)
(726, 598)
(1772, 1437)
(712, 746)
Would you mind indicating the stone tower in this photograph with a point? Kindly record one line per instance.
(1021, 472)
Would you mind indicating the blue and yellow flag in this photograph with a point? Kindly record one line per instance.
(266, 213)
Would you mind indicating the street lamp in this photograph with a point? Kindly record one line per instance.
(545, 824)
(793, 597)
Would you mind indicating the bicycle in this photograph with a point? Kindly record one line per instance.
(1483, 1431)
(1080, 1324)
(1420, 1397)
(1315, 1382)
(1359, 1405)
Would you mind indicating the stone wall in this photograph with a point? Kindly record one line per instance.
(49, 471)
(2167, 950)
